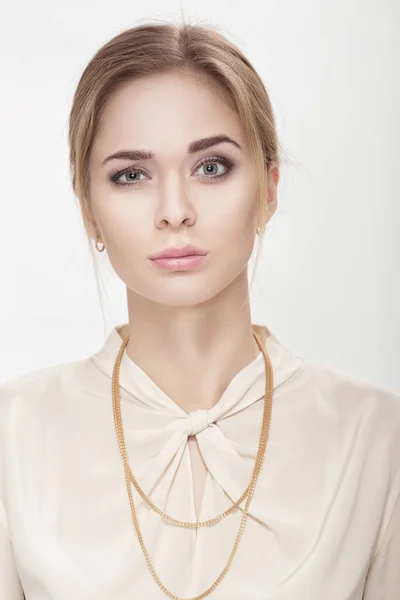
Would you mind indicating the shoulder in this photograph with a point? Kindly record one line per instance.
(360, 411)
(33, 382)
(28, 381)
(350, 392)
(36, 391)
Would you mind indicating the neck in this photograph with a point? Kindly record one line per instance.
(192, 353)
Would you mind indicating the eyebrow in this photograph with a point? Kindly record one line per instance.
(196, 146)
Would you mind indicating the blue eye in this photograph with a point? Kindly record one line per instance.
(115, 178)
(215, 160)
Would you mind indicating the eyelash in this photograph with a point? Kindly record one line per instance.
(214, 159)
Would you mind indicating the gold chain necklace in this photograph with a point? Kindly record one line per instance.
(248, 493)
(188, 524)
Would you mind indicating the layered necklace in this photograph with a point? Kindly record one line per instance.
(247, 494)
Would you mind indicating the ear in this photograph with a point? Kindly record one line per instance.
(92, 228)
(272, 188)
(93, 233)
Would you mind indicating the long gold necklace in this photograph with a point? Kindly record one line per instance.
(196, 524)
(129, 477)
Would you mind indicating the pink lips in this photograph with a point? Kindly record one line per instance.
(179, 259)
(178, 252)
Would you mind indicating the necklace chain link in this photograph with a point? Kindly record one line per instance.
(248, 494)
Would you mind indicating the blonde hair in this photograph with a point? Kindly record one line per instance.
(157, 47)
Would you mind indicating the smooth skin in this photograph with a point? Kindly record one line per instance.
(190, 331)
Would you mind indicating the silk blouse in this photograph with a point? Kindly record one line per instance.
(324, 521)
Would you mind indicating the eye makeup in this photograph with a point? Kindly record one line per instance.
(221, 160)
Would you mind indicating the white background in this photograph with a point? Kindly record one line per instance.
(328, 285)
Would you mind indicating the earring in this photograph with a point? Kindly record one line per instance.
(100, 249)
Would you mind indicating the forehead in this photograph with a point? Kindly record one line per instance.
(164, 113)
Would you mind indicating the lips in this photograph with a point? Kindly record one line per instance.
(181, 263)
(179, 252)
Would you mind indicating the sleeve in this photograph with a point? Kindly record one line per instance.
(10, 585)
(383, 576)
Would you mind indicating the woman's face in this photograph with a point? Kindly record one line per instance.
(206, 198)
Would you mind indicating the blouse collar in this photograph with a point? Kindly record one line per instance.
(157, 428)
(134, 380)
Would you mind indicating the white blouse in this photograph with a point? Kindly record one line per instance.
(323, 524)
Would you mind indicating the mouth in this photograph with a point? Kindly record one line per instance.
(179, 263)
(183, 252)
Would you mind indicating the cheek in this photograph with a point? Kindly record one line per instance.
(125, 239)
(237, 221)
(235, 241)
(127, 256)
(121, 229)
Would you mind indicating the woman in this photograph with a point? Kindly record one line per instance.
(193, 455)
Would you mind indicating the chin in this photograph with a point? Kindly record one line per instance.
(184, 293)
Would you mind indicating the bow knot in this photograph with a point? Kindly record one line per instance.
(197, 421)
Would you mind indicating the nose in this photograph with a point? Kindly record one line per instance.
(175, 207)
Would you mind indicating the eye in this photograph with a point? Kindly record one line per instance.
(115, 179)
(210, 175)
